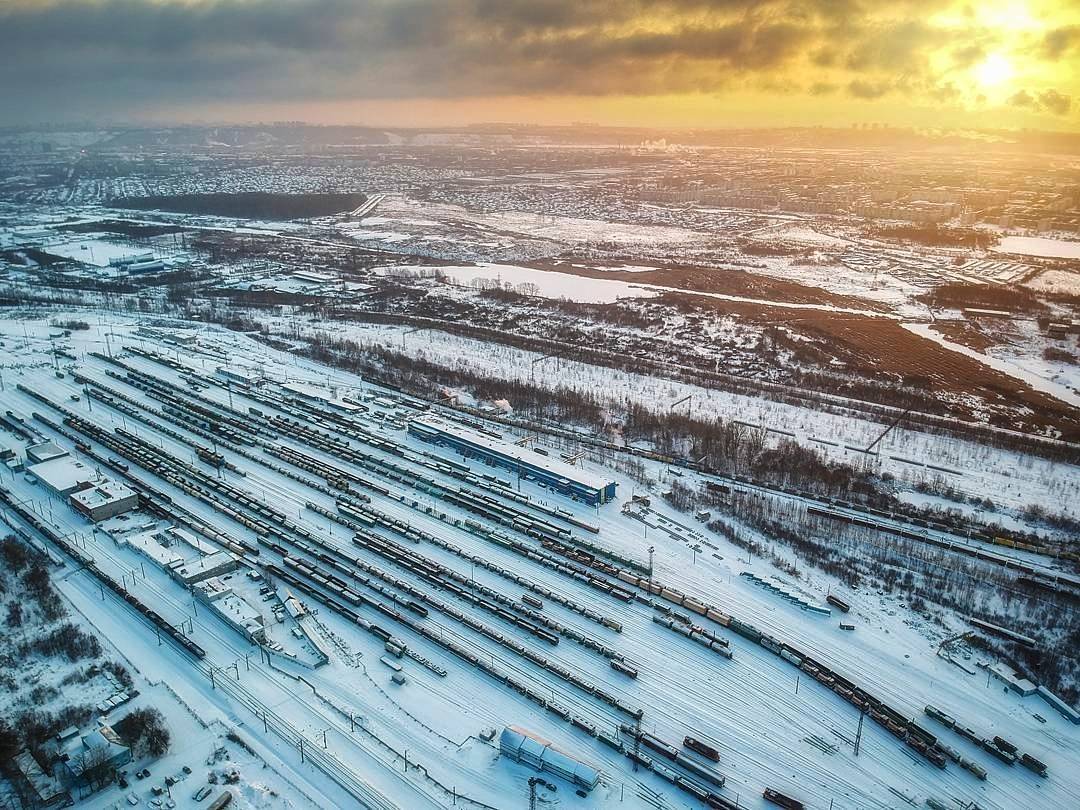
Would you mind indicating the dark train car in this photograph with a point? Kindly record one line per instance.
(838, 603)
(699, 747)
(779, 799)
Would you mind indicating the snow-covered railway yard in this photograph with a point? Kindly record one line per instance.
(142, 410)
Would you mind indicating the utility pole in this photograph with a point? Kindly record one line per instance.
(858, 734)
(637, 741)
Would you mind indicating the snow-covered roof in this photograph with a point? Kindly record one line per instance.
(526, 747)
(554, 466)
(63, 474)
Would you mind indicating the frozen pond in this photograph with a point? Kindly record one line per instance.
(550, 285)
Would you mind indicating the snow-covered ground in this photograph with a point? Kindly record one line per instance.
(549, 285)
(1056, 281)
(772, 727)
(1008, 478)
(1039, 246)
(93, 249)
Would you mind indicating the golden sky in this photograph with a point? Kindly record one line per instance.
(701, 63)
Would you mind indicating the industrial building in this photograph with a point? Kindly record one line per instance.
(320, 396)
(104, 500)
(554, 474)
(63, 475)
(240, 375)
(536, 752)
(45, 451)
(232, 608)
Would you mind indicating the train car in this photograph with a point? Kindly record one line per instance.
(692, 787)
(699, 747)
(779, 799)
(838, 603)
(1032, 764)
(1004, 756)
(625, 669)
(1004, 745)
(658, 745)
(700, 771)
(720, 803)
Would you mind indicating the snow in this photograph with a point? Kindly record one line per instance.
(95, 251)
(550, 285)
(799, 232)
(1056, 281)
(1039, 246)
(750, 706)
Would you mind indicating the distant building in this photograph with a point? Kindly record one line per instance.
(240, 375)
(134, 258)
(149, 266)
(1017, 683)
(37, 788)
(313, 277)
(233, 608)
(320, 396)
(200, 568)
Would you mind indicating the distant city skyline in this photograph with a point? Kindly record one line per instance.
(671, 63)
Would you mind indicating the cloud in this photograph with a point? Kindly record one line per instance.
(1055, 102)
(1059, 41)
(1050, 101)
(862, 89)
(115, 57)
(1022, 98)
(968, 55)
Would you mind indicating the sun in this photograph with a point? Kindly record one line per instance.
(994, 70)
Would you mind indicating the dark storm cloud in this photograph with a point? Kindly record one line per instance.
(114, 57)
(103, 51)
(1022, 98)
(1055, 102)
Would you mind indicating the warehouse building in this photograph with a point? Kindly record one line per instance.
(104, 500)
(63, 475)
(552, 473)
(234, 609)
(45, 451)
(536, 752)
